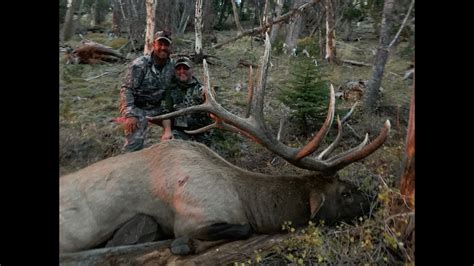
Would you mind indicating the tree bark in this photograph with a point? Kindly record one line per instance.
(276, 27)
(68, 26)
(236, 16)
(407, 181)
(158, 253)
(198, 30)
(150, 26)
(330, 32)
(373, 93)
(294, 29)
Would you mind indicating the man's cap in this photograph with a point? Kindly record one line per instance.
(163, 35)
(183, 61)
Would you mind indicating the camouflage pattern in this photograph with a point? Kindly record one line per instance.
(142, 94)
(181, 95)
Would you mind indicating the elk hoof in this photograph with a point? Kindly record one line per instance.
(182, 246)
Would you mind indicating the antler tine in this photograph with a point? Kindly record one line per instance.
(339, 162)
(202, 129)
(205, 107)
(344, 119)
(331, 147)
(311, 146)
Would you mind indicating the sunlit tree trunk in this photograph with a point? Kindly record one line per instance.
(68, 27)
(373, 87)
(150, 25)
(198, 29)
(330, 32)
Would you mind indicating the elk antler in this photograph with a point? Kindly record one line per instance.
(254, 127)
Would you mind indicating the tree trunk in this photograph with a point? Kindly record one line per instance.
(373, 93)
(276, 27)
(407, 182)
(94, 14)
(68, 27)
(236, 16)
(150, 25)
(322, 46)
(116, 19)
(294, 28)
(330, 32)
(198, 29)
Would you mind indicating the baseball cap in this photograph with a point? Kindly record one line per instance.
(163, 35)
(183, 61)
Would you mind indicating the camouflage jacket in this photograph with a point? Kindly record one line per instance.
(181, 95)
(144, 87)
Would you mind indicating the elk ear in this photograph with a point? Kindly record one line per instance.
(316, 201)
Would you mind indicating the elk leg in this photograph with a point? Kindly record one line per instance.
(139, 229)
(219, 231)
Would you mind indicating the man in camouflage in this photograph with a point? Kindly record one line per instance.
(184, 91)
(142, 93)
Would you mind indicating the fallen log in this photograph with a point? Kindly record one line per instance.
(355, 63)
(158, 253)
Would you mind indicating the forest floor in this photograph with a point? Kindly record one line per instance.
(88, 103)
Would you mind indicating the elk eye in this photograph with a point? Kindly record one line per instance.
(345, 194)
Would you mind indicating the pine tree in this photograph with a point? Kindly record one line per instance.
(306, 93)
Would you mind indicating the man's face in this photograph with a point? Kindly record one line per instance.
(183, 73)
(162, 48)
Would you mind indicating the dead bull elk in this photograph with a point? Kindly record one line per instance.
(193, 193)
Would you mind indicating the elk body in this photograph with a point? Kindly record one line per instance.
(193, 193)
(185, 187)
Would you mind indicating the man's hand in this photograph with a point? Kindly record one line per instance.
(131, 124)
(167, 135)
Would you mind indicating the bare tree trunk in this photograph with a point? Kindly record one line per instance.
(294, 28)
(276, 27)
(330, 32)
(198, 29)
(116, 19)
(373, 94)
(236, 16)
(266, 17)
(94, 14)
(150, 25)
(68, 27)
(407, 182)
